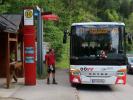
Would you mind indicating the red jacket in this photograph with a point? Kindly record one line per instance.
(50, 59)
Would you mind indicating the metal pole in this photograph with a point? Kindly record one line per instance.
(42, 68)
(39, 43)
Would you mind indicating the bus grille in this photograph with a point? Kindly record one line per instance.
(98, 74)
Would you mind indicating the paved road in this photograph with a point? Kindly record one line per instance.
(116, 92)
(130, 79)
(63, 91)
(42, 91)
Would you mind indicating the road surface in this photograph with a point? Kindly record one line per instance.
(114, 92)
(63, 91)
(42, 91)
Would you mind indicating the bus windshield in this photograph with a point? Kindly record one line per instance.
(97, 41)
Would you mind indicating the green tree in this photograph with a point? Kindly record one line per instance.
(54, 36)
(125, 8)
(129, 23)
(131, 6)
(111, 15)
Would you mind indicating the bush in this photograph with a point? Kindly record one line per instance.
(54, 36)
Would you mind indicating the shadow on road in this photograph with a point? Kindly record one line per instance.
(94, 88)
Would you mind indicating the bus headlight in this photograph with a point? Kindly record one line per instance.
(121, 76)
(121, 72)
(75, 72)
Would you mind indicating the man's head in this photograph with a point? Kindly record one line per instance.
(51, 50)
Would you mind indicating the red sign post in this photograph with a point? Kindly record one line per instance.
(29, 48)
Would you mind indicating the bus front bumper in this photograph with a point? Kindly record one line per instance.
(97, 80)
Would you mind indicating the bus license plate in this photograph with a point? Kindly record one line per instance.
(98, 80)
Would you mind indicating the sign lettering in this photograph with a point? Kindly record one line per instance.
(86, 69)
(28, 13)
(98, 31)
(28, 17)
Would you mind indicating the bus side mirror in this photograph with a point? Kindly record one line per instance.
(125, 34)
(65, 36)
(64, 39)
(129, 38)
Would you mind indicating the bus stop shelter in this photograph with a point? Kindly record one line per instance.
(10, 39)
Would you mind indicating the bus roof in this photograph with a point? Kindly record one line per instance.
(98, 23)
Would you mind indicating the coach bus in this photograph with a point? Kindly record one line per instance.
(97, 53)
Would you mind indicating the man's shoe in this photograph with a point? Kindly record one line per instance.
(55, 83)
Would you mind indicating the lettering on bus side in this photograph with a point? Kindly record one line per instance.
(86, 69)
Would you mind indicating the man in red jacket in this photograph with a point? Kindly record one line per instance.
(50, 61)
